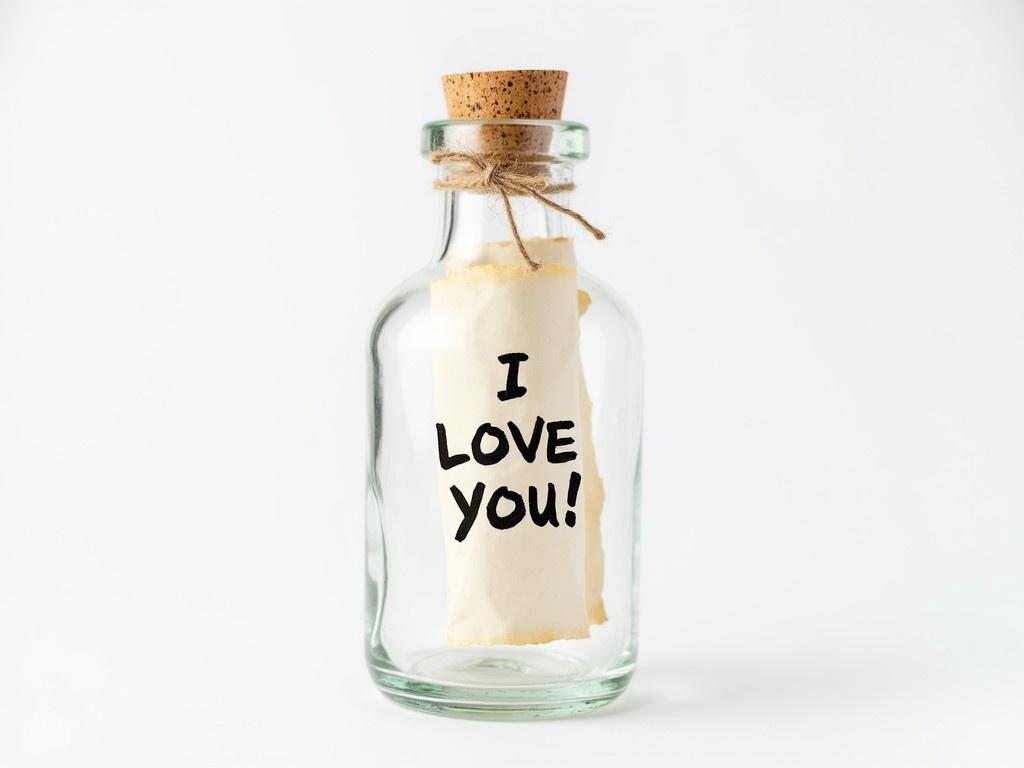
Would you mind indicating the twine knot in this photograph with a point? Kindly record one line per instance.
(489, 174)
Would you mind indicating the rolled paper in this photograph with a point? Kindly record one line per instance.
(594, 500)
(519, 492)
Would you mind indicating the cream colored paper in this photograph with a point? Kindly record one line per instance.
(559, 250)
(594, 498)
(528, 583)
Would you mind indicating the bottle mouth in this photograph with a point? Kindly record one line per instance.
(554, 140)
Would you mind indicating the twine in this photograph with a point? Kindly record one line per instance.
(489, 173)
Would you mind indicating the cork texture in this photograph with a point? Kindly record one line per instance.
(518, 94)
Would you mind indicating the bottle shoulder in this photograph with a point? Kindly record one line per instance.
(407, 302)
(607, 301)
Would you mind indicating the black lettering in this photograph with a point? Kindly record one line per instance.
(549, 515)
(447, 462)
(512, 388)
(529, 450)
(469, 509)
(499, 452)
(554, 441)
(502, 522)
(574, 492)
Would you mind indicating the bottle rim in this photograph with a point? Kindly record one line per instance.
(559, 140)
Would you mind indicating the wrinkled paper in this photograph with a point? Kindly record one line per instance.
(523, 546)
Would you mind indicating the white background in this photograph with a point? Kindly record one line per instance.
(815, 209)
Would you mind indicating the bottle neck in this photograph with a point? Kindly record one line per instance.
(470, 219)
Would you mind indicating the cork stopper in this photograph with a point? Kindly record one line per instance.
(513, 94)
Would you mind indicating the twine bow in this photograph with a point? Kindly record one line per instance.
(491, 174)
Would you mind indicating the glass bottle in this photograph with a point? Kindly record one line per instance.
(408, 644)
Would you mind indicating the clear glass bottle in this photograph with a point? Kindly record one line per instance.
(408, 654)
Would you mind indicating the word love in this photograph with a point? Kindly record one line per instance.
(528, 447)
(491, 444)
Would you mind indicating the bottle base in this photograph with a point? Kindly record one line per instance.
(500, 685)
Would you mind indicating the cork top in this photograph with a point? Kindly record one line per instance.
(515, 94)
